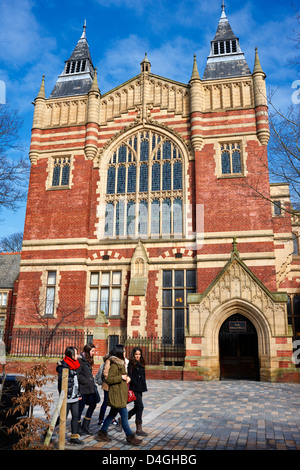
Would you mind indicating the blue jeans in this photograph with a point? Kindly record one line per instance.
(124, 418)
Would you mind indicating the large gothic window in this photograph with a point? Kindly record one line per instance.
(144, 188)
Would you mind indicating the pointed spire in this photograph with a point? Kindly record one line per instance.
(41, 93)
(78, 74)
(95, 87)
(195, 73)
(257, 66)
(226, 58)
(83, 36)
(223, 15)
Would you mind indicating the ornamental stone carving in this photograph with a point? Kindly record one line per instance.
(237, 284)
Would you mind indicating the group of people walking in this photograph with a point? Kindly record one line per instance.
(117, 375)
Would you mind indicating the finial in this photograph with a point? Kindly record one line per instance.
(195, 73)
(145, 64)
(257, 66)
(83, 36)
(41, 93)
(235, 251)
(223, 15)
(95, 87)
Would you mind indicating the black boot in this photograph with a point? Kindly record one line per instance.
(74, 440)
(85, 426)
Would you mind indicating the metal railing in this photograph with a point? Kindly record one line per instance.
(47, 343)
(156, 351)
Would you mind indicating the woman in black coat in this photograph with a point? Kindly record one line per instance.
(136, 371)
(71, 362)
(87, 386)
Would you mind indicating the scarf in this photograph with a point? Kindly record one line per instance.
(71, 363)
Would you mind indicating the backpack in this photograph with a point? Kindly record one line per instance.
(99, 376)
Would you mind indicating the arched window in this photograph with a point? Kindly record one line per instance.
(231, 159)
(61, 171)
(144, 188)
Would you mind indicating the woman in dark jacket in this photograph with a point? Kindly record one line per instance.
(87, 387)
(117, 380)
(71, 362)
(136, 372)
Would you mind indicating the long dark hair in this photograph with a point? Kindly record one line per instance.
(119, 351)
(87, 349)
(133, 360)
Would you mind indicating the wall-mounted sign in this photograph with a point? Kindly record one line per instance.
(237, 326)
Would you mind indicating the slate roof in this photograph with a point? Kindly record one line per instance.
(224, 31)
(9, 269)
(71, 88)
(226, 69)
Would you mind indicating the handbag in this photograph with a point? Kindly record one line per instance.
(97, 395)
(131, 396)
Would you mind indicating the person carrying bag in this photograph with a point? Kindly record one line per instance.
(117, 380)
(136, 372)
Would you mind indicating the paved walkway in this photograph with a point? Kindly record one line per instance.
(222, 415)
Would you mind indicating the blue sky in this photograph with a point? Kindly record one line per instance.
(36, 38)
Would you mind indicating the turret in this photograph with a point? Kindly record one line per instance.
(196, 108)
(93, 114)
(37, 125)
(39, 106)
(260, 102)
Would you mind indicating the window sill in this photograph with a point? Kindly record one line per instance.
(234, 175)
(56, 188)
(112, 317)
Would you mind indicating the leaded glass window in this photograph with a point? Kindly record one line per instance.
(50, 293)
(144, 177)
(131, 180)
(231, 161)
(61, 171)
(144, 189)
(177, 284)
(156, 176)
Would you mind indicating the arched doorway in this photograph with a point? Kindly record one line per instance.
(238, 349)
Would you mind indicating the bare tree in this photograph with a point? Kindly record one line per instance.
(12, 243)
(284, 145)
(14, 171)
(284, 149)
(65, 317)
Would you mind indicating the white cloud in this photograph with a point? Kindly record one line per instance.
(172, 59)
(21, 37)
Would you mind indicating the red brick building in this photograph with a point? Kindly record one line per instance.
(143, 216)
